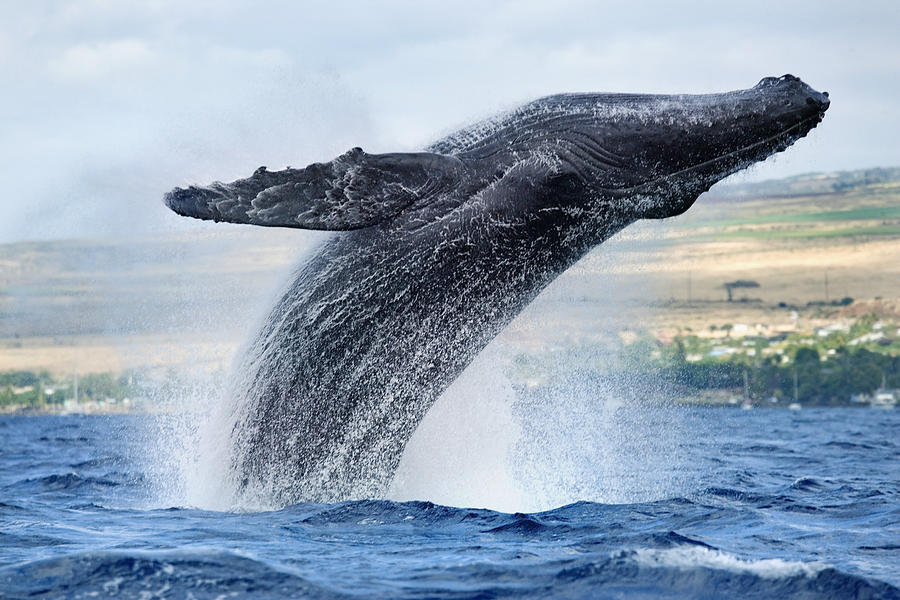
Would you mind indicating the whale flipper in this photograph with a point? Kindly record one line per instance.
(353, 191)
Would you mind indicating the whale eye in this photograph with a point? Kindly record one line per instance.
(564, 183)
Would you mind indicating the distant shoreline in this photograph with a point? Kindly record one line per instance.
(733, 403)
(86, 409)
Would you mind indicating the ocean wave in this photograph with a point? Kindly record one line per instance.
(385, 512)
(68, 481)
(690, 557)
(520, 524)
(844, 445)
(80, 524)
(678, 572)
(103, 461)
(700, 572)
(808, 484)
(146, 575)
(762, 500)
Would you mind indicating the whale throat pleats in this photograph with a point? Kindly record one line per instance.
(353, 191)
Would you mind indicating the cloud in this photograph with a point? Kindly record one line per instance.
(114, 103)
(98, 60)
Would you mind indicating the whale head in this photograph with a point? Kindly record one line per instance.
(641, 156)
(674, 148)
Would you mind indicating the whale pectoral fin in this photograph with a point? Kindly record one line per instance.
(353, 191)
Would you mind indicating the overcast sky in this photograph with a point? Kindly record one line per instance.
(108, 104)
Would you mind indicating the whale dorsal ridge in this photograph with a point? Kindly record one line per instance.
(353, 191)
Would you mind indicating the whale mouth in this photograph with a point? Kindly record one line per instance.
(779, 142)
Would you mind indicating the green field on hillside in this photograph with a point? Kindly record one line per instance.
(867, 213)
(887, 230)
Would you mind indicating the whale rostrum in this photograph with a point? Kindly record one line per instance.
(435, 252)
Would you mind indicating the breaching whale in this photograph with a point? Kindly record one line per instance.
(437, 251)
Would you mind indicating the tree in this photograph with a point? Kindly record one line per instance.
(740, 283)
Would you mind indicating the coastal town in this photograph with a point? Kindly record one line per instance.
(844, 354)
(805, 360)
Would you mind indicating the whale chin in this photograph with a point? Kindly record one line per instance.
(685, 187)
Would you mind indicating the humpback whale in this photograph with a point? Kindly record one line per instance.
(435, 252)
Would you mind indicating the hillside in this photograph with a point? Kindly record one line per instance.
(107, 305)
(811, 184)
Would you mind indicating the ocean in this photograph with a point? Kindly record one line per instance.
(768, 503)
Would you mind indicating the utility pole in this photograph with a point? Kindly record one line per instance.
(826, 286)
(795, 385)
(75, 394)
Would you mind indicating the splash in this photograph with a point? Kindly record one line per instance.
(496, 441)
(189, 455)
(189, 460)
(488, 443)
(460, 454)
(492, 440)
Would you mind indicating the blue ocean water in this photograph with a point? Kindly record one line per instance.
(789, 504)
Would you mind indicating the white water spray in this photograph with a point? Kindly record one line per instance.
(490, 440)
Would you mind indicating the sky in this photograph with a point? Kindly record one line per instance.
(108, 104)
